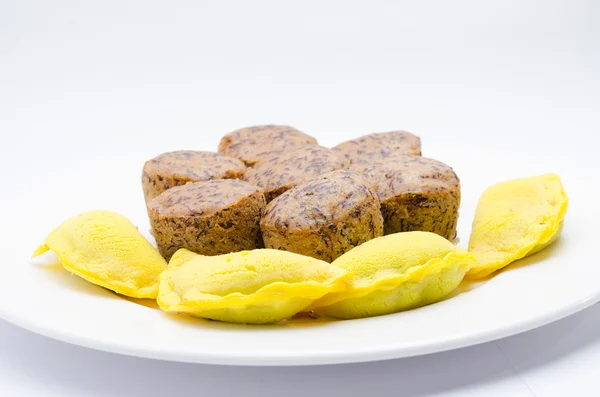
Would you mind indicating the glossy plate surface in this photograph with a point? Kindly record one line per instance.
(46, 299)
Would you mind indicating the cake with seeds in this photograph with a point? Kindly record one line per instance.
(183, 166)
(374, 147)
(209, 218)
(416, 193)
(281, 171)
(323, 217)
(251, 144)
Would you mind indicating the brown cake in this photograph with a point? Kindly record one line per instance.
(416, 193)
(374, 147)
(251, 144)
(323, 217)
(210, 218)
(178, 168)
(281, 171)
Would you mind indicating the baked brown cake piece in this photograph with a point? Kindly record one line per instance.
(374, 147)
(281, 171)
(323, 217)
(209, 218)
(180, 167)
(251, 144)
(416, 193)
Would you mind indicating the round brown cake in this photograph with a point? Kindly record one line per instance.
(251, 144)
(374, 147)
(178, 168)
(416, 193)
(323, 217)
(281, 171)
(209, 218)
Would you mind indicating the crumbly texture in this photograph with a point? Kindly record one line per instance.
(416, 193)
(251, 144)
(323, 217)
(279, 172)
(178, 168)
(374, 147)
(209, 218)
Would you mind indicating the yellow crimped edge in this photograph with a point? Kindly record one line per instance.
(133, 292)
(413, 274)
(489, 262)
(273, 302)
(169, 300)
(40, 250)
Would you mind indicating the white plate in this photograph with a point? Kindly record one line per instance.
(48, 300)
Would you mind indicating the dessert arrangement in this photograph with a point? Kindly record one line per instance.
(273, 225)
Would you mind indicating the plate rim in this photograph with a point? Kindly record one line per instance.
(347, 357)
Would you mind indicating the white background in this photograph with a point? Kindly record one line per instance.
(91, 80)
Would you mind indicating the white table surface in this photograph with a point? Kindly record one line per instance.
(89, 80)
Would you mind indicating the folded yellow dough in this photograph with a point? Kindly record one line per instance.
(397, 272)
(255, 287)
(515, 219)
(106, 249)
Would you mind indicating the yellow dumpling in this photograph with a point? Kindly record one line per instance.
(515, 219)
(106, 249)
(397, 272)
(254, 287)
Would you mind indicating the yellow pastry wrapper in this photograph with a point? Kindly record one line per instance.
(106, 249)
(515, 219)
(397, 272)
(255, 287)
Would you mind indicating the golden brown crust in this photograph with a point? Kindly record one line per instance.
(281, 171)
(323, 217)
(210, 218)
(377, 146)
(251, 144)
(416, 193)
(180, 167)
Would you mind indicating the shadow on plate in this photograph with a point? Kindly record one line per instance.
(298, 321)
